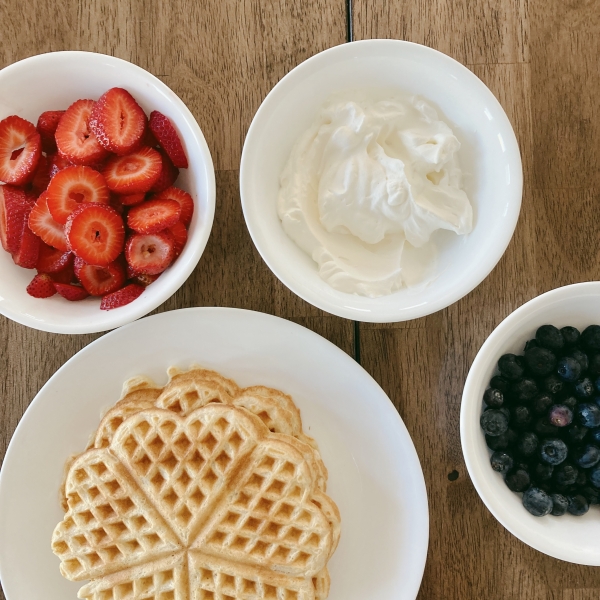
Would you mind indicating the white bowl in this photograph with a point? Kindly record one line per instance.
(489, 157)
(574, 539)
(52, 82)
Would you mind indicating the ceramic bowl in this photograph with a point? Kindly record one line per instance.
(570, 538)
(489, 158)
(52, 82)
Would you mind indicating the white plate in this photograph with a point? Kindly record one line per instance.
(574, 539)
(375, 475)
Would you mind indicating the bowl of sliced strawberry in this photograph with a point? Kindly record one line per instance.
(107, 192)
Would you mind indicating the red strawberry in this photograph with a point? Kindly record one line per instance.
(99, 281)
(153, 216)
(20, 150)
(15, 207)
(167, 137)
(46, 126)
(45, 227)
(41, 286)
(135, 173)
(144, 279)
(74, 139)
(180, 235)
(73, 186)
(148, 139)
(132, 199)
(57, 163)
(41, 176)
(52, 260)
(29, 250)
(121, 297)
(70, 292)
(118, 121)
(184, 199)
(150, 254)
(66, 275)
(168, 174)
(96, 234)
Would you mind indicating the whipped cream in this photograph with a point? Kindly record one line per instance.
(365, 188)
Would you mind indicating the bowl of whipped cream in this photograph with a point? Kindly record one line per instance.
(381, 180)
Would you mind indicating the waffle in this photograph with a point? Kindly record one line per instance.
(193, 492)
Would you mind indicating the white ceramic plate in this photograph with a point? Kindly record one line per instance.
(375, 475)
(489, 158)
(574, 539)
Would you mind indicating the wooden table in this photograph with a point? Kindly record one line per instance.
(540, 58)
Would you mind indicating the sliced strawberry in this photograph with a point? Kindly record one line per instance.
(41, 286)
(20, 150)
(45, 227)
(70, 292)
(132, 199)
(46, 126)
(66, 275)
(184, 199)
(74, 139)
(29, 250)
(52, 260)
(180, 235)
(96, 234)
(133, 174)
(153, 216)
(15, 207)
(99, 281)
(148, 139)
(41, 176)
(167, 137)
(150, 254)
(57, 163)
(144, 279)
(121, 297)
(73, 186)
(168, 174)
(118, 121)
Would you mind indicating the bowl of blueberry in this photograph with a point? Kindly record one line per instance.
(530, 423)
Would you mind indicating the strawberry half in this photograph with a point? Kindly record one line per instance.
(96, 234)
(41, 286)
(27, 254)
(185, 200)
(52, 260)
(153, 216)
(20, 150)
(180, 235)
(133, 174)
(46, 126)
(44, 226)
(168, 174)
(99, 281)
(150, 254)
(15, 207)
(167, 137)
(121, 297)
(132, 199)
(70, 292)
(73, 186)
(118, 121)
(74, 139)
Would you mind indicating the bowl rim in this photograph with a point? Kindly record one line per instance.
(141, 306)
(471, 402)
(342, 308)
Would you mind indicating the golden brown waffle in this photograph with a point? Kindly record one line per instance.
(198, 503)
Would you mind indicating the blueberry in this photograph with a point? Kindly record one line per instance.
(528, 443)
(587, 457)
(592, 495)
(540, 361)
(594, 366)
(501, 461)
(565, 474)
(570, 335)
(493, 398)
(570, 402)
(560, 415)
(542, 471)
(590, 338)
(531, 344)
(550, 337)
(588, 414)
(541, 403)
(553, 451)
(578, 505)
(584, 388)
(594, 475)
(560, 504)
(504, 410)
(582, 479)
(502, 441)
(575, 434)
(524, 389)
(543, 427)
(595, 434)
(509, 367)
(581, 358)
(553, 384)
(520, 417)
(537, 502)
(500, 383)
(568, 369)
(493, 422)
(597, 384)
(517, 480)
